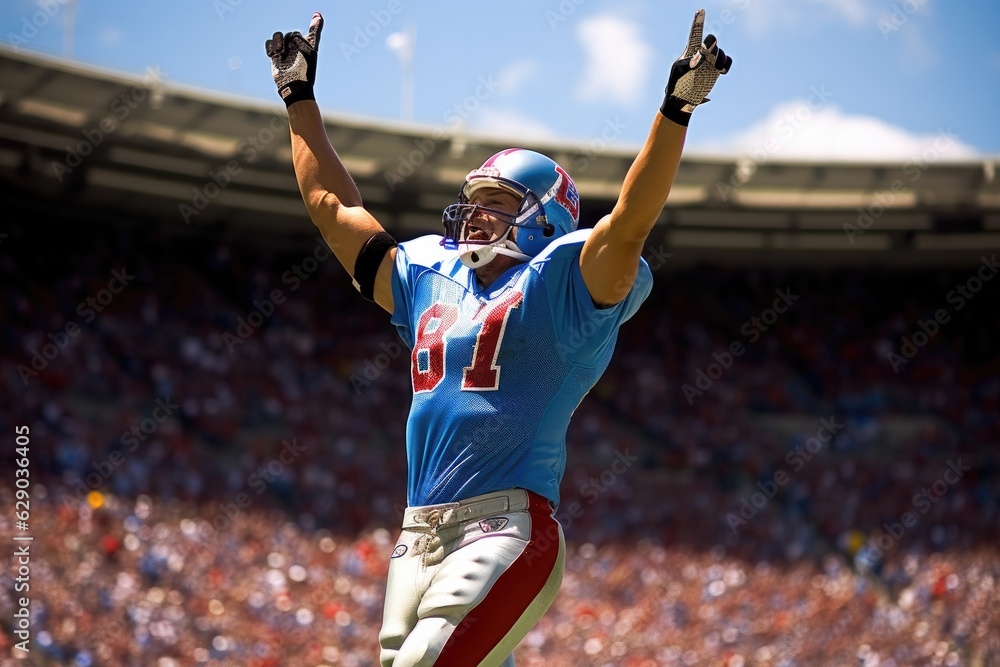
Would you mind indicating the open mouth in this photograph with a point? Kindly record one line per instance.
(476, 233)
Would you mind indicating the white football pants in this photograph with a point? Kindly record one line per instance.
(468, 580)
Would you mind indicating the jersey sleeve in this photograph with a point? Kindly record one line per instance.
(412, 259)
(583, 329)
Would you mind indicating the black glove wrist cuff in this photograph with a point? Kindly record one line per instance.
(671, 111)
(296, 93)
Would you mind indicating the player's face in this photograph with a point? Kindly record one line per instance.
(485, 226)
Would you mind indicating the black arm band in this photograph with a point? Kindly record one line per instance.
(368, 261)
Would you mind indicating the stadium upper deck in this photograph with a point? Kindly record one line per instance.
(144, 147)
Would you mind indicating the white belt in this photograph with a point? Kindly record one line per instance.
(433, 516)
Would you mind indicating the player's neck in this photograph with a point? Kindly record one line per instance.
(487, 274)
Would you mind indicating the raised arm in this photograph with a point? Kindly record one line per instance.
(609, 260)
(330, 194)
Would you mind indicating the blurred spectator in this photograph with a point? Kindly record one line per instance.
(217, 458)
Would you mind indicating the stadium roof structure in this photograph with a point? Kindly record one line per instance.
(74, 136)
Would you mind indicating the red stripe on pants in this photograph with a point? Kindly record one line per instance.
(489, 621)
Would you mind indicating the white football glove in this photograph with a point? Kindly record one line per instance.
(693, 75)
(293, 61)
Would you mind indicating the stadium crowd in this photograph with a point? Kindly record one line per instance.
(765, 474)
(139, 582)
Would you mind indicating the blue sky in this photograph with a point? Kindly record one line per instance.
(813, 79)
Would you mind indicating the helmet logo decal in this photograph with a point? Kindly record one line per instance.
(566, 195)
(483, 172)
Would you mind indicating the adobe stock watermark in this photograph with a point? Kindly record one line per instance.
(364, 35)
(47, 10)
(258, 481)
(454, 116)
(595, 486)
(60, 340)
(914, 168)
(120, 108)
(486, 87)
(899, 16)
(797, 459)
(562, 12)
(483, 434)
(294, 276)
(613, 128)
(592, 489)
(752, 329)
(372, 368)
(130, 440)
(923, 500)
(785, 129)
(929, 328)
(223, 7)
(717, 26)
(249, 147)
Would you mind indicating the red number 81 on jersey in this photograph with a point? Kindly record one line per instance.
(427, 361)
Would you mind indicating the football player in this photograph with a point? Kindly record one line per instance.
(511, 317)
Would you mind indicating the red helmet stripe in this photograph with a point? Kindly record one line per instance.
(489, 163)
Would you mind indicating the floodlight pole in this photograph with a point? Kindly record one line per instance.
(403, 44)
(408, 92)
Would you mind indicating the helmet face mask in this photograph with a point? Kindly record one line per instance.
(548, 207)
(460, 220)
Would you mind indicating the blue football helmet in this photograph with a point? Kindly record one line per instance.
(549, 207)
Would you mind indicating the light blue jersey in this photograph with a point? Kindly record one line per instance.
(498, 372)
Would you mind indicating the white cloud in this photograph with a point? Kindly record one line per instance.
(795, 131)
(516, 74)
(110, 36)
(855, 11)
(617, 60)
(511, 123)
(917, 53)
(765, 17)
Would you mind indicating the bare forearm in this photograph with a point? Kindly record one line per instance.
(610, 257)
(318, 168)
(332, 198)
(330, 194)
(648, 181)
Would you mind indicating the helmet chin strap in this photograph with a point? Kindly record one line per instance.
(475, 255)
